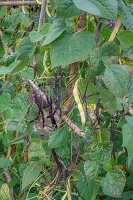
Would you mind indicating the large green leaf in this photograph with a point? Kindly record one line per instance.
(113, 184)
(107, 100)
(15, 17)
(5, 70)
(5, 163)
(127, 18)
(28, 74)
(25, 20)
(71, 48)
(35, 36)
(101, 152)
(57, 28)
(5, 99)
(20, 106)
(127, 195)
(97, 66)
(3, 12)
(30, 174)
(26, 48)
(110, 53)
(18, 65)
(46, 28)
(36, 153)
(59, 137)
(91, 89)
(63, 151)
(67, 9)
(6, 37)
(128, 138)
(5, 192)
(91, 169)
(102, 8)
(115, 78)
(88, 190)
(10, 58)
(126, 37)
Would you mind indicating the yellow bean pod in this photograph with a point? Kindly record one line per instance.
(39, 2)
(23, 10)
(47, 11)
(68, 189)
(115, 31)
(77, 99)
(44, 62)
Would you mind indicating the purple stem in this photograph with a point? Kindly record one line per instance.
(58, 163)
(104, 110)
(56, 83)
(98, 34)
(38, 103)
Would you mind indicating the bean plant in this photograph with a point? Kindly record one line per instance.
(66, 94)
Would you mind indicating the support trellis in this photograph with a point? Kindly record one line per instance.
(18, 3)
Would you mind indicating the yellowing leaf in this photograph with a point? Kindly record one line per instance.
(5, 193)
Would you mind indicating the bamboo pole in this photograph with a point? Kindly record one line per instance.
(18, 3)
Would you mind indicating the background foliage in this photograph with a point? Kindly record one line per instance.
(74, 145)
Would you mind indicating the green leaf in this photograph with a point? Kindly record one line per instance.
(4, 192)
(115, 78)
(102, 8)
(30, 174)
(110, 53)
(20, 106)
(5, 70)
(8, 114)
(15, 17)
(71, 48)
(91, 89)
(63, 152)
(18, 65)
(10, 58)
(5, 99)
(37, 153)
(67, 9)
(107, 166)
(28, 74)
(101, 152)
(128, 138)
(45, 28)
(127, 195)
(35, 36)
(127, 18)
(126, 37)
(25, 20)
(113, 184)
(6, 37)
(5, 163)
(57, 28)
(26, 49)
(3, 11)
(107, 99)
(88, 190)
(91, 169)
(59, 137)
(97, 66)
